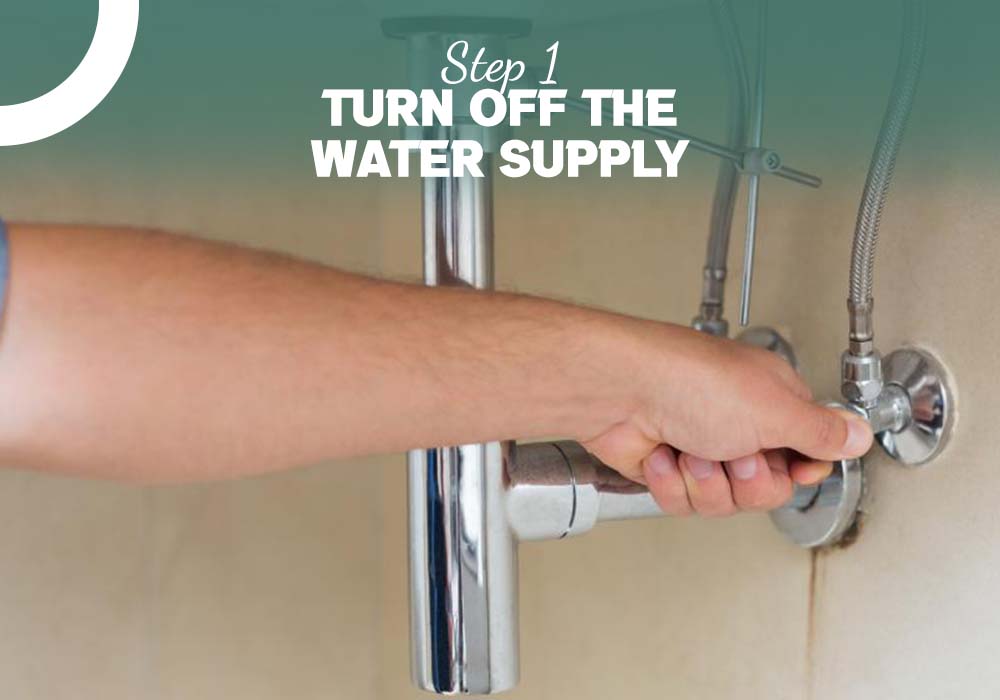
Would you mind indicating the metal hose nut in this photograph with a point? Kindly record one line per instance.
(710, 319)
(861, 378)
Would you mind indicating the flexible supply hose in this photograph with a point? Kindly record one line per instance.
(728, 180)
(880, 171)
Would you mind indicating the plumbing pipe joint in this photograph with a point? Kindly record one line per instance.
(861, 378)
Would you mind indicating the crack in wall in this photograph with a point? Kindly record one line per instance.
(817, 557)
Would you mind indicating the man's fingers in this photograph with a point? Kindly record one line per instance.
(808, 472)
(707, 486)
(818, 431)
(777, 460)
(798, 469)
(688, 484)
(754, 485)
(664, 481)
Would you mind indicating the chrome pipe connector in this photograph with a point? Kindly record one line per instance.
(861, 378)
(710, 316)
(912, 411)
(469, 507)
(891, 412)
(557, 490)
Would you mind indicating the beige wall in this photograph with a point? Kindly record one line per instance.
(294, 585)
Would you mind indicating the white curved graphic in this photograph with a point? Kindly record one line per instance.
(85, 88)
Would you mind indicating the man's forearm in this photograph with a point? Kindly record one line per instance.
(154, 357)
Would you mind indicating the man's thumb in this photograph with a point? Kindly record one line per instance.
(827, 433)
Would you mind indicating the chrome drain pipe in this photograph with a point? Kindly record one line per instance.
(462, 559)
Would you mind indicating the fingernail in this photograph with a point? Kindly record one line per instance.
(859, 437)
(744, 468)
(700, 468)
(660, 462)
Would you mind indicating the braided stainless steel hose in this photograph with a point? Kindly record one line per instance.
(880, 176)
(727, 183)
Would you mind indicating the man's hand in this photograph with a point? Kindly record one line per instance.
(148, 357)
(724, 427)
